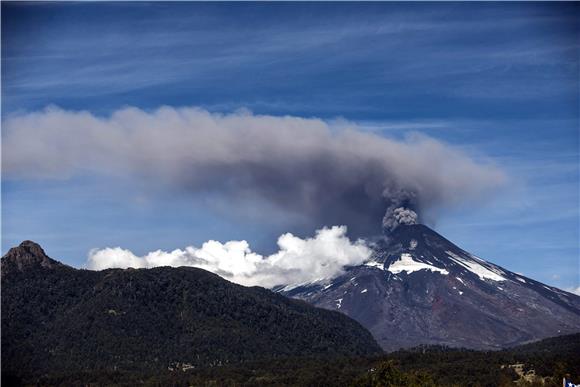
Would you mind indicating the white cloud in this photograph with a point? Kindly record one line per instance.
(297, 261)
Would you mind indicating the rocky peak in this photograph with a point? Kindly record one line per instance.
(27, 255)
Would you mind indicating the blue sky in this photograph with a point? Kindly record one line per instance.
(499, 80)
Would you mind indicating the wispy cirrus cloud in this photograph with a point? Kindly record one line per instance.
(164, 47)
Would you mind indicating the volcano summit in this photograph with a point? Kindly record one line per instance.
(419, 288)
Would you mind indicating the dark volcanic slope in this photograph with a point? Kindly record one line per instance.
(58, 319)
(419, 288)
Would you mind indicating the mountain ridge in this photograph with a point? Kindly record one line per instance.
(59, 319)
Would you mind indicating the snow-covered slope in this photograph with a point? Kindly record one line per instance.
(419, 288)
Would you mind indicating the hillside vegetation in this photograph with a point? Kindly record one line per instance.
(59, 320)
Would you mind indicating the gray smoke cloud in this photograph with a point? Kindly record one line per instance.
(326, 174)
(400, 209)
(397, 216)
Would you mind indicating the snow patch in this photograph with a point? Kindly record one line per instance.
(376, 264)
(521, 279)
(460, 280)
(317, 281)
(287, 288)
(364, 291)
(481, 271)
(406, 264)
(476, 258)
(413, 244)
(339, 303)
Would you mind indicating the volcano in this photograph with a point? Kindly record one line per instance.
(418, 288)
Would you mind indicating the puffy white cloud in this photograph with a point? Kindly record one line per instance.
(297, 261)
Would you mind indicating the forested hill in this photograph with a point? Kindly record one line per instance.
(57, 319)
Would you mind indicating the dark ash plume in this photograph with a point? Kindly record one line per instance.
(306, 167)
(400, 210)
(400, 215)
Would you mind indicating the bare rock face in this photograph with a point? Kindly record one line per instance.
(28, 255)
(419, 288)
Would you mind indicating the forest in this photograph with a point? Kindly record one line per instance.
(544, 363)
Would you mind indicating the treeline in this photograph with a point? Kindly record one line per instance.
(425, 367)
